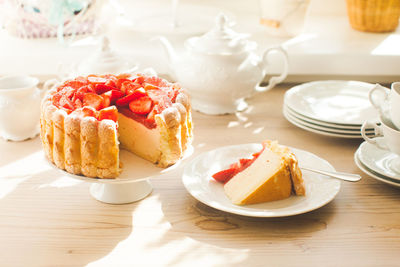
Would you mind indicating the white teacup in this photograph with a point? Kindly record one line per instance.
(391, 138)
(19, 107)
(387, 101)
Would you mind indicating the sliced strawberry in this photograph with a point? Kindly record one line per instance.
(77, 83)
(127, 99)
(68, 91)
(141, 105)
(120, 82)
(139, 79)
(112, 82)
(154, 111)
(56, 99)
(65, 102)
(113, 95)
(93, 100)
(156, 81)
(102, 88)
(109, 113)
(123, 76)
(96, 79)
(129, 87)
(78, 103)
(225, 175)
(148, 86)
(160, 97)
(106, 101)
(86, 112)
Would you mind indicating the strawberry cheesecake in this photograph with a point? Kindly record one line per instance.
(271, 174)
(85, 120)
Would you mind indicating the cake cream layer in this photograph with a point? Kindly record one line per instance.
(139, 139)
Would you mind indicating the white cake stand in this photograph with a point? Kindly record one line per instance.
(133, 183)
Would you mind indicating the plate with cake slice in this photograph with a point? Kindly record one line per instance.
(260, 180)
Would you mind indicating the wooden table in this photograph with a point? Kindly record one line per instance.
(47, 220)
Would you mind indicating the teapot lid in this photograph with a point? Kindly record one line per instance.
(104, 60)
(220, 40)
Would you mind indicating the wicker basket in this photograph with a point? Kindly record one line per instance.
(373, 15)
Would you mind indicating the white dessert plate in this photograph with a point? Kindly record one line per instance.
(323, 123)
(339, 102)
(378, 160)
(373, 174)
(324, 128)
(319, 131)
(197, 179)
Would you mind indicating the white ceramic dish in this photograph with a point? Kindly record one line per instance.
(197, 179)
(340, 102)
(378, 160)
(318, 131)
(373, 174)
(324, 123)
(324, 128)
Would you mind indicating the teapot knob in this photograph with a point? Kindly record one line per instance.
(221, 21)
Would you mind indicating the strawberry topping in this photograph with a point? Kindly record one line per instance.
(139, 97)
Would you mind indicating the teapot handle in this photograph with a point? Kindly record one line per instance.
(274, 80)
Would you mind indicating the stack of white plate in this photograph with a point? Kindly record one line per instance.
(377, 163)
(332, 108)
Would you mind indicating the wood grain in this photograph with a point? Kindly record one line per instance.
(50, 220)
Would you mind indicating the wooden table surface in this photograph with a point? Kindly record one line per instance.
(49, 220)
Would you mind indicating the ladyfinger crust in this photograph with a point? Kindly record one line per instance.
(72, 144)
(89, 146)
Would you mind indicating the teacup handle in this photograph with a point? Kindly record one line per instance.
(377, 130)
(378, 96)
(274, 80)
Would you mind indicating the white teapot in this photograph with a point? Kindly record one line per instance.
(19, 107)
(220, 69)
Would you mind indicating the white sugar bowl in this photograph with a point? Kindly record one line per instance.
(220, 69)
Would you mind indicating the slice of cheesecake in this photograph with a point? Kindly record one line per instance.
(272, 174)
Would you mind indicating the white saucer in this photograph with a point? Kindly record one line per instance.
(373, 174)
(197, 179)
(318, 130)
(339, 102)
(377, 159)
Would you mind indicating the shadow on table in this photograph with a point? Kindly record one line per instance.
(52, 219)
(226, 237)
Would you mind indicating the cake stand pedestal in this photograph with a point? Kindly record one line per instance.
(121, 193)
